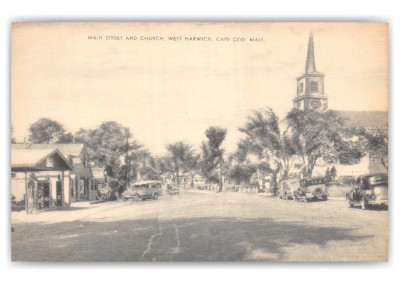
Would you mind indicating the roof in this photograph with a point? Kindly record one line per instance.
(28, 159)
(145, 182)
(310, 62)
(72, 149)
(372, 174)
(364, 118)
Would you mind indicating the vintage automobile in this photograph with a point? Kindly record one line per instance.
(311, 188)
(288, 187)
(104, 193)
(172, 189)
(150, 189)
(371, 189)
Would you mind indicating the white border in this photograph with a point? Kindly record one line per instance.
(206, 10)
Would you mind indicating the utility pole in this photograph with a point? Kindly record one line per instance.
(127, 160)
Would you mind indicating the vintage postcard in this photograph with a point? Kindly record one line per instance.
(199, 142)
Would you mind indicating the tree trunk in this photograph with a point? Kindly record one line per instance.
(138, 176)
(177, 175)
(220, 179)
(192, 181)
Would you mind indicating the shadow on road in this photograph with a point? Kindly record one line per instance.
(183, 239)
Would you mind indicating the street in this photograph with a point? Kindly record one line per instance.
(203, 226)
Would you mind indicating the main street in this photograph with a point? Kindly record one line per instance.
(203, 226)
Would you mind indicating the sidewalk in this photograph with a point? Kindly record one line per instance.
(75, 211)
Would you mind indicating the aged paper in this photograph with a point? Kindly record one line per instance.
(199, 142)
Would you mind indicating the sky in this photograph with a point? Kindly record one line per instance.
(171, 90)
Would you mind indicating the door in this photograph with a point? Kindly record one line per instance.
(44, 194)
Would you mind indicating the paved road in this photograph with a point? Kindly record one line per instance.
(202, 226)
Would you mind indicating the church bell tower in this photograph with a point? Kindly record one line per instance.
(310, 85)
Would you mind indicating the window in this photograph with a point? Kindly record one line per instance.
(13, 175)
(314, 86)
(300, 89)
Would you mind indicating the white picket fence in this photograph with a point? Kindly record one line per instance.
(226, 188)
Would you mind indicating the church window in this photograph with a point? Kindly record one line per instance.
(314, 86)
(301, 88)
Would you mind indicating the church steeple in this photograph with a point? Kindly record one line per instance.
(310, 85)
(310, 64)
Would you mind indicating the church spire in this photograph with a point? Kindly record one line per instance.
(310, 64)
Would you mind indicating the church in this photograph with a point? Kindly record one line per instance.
(310, 85)
(311, 95)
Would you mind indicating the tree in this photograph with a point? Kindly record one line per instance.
(192, 165)
(66, 138)
(166, 168)
(180, 153)
(212, 154)
(46, 131)
(320, 135)
(375, 142)
(333, 173)
(106, 143)
(267, 142)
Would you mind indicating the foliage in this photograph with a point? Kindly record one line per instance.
(265, 139)
(46, 131)
(212, 154)
(104, 144)
(330, 174)
(180, 154)
(241, 174)
(375, 141)
(66, 138)
(320, 135)
(193, 166)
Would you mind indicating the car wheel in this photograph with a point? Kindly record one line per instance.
(136, 197)
(364, 203)
(306, 200)
(325, 197)
(155, 197)
(349, 203)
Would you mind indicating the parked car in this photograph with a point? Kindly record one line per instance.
(346, 180)
(172, 189)
(143, 190)
(104, 193)
(371, 189)
(288, 187)
(311, 188)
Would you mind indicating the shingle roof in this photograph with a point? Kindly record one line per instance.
(29, 159)
(364, 118)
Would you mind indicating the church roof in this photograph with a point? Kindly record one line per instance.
(364, 118)
(310, 63)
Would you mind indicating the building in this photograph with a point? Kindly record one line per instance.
(40, 178)
(311, 95)
(80, 180)
(310, 85)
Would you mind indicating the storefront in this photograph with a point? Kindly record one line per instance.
(40, 178)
